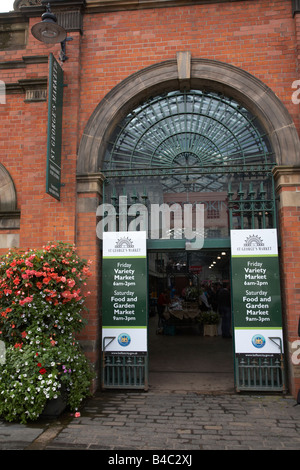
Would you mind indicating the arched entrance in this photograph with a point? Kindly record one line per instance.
(164, 144)
(177, 149)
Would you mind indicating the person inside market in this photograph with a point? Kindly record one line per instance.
(224, 307)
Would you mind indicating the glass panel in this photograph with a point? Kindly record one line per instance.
(182, 270)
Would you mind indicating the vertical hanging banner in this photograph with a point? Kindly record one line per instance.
(55, 107)
(256, 298)
(124, 298)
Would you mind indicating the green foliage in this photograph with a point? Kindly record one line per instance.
(210, 318)
(41, 306)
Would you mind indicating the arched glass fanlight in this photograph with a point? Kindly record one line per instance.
(194, 128)
(185, 131)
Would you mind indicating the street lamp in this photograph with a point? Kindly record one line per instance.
(49, 32)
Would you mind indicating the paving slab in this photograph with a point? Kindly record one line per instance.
(156, 421)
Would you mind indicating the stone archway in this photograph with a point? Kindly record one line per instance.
(189, 73)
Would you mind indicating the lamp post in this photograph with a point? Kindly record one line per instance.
(49, 32)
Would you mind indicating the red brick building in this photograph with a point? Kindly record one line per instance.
(132, 61)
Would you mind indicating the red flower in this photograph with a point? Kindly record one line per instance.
(67, 295)
(42, 371)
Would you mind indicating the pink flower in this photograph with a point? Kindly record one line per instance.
(26, 300)
(71, 283)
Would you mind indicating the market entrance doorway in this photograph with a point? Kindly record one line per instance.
(187, 350)
(173, 154)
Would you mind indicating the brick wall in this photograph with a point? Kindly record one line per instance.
(259, 36)
(288, 184)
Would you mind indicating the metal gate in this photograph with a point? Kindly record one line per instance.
(125, 371)
(247, 208)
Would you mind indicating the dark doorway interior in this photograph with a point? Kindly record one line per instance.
(185, 355)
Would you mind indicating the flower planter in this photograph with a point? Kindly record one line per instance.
(55, 407)
(210, 330)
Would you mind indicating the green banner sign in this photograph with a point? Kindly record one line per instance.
(55, 107)
(124, 292)
(256, 298)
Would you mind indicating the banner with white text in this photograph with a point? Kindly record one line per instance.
(124, 299)
(256, 298)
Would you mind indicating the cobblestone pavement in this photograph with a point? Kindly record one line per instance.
(158, 420)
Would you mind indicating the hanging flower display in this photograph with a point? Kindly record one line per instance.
(42, 301)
